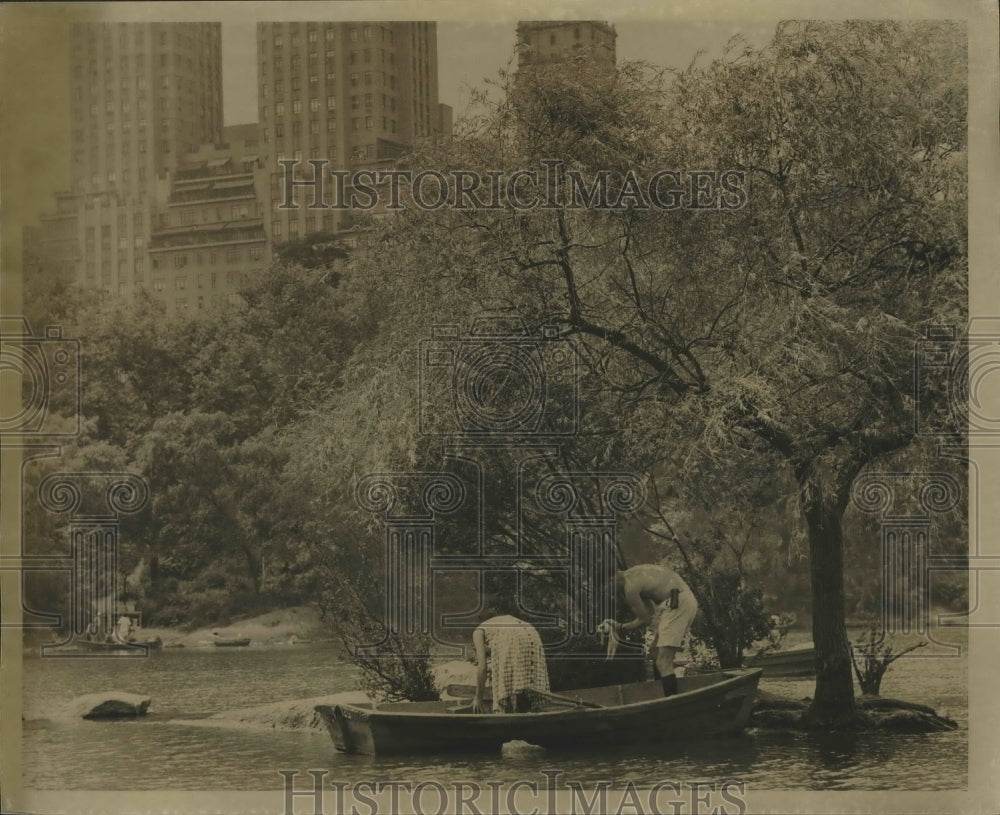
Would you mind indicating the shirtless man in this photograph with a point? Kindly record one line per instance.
(660, 598)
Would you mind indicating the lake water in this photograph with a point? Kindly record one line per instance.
(155, 753)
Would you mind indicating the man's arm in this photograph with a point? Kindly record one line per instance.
(479, 640)
(643, 614)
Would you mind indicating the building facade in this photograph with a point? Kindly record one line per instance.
(208, 235)
(542, 41)
(142, 94)
(356, 94)
(163, 199)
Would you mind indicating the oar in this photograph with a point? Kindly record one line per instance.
(468, 691)
(555, 697)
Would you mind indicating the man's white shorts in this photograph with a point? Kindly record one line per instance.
(672, 624)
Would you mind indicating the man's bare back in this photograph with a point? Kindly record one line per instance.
(651, 582)
(661, 599)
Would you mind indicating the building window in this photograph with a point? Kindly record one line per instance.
(331, 34)
(331, 125)
(241, 211)
(233, 254)
(312, 36)
(276, 229)
(256, 252)
(368, 122)
(158, 284)
(296, 106)
(314, 126)
(181, 283)
(279, 109)
(180, 261)
(314, 105)
(331, 102)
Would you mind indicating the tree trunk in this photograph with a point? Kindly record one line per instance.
(833, 700)
(253, 568)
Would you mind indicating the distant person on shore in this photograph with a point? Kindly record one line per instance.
(661, 600)
(511, 650)
(93, 633)
(124, 629)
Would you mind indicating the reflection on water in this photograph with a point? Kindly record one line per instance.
(152, 753)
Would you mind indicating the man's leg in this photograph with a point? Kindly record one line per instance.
(665, 665)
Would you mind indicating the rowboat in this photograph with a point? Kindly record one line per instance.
(706, 705)
(232, 643)
(102, 646)
(793, 662)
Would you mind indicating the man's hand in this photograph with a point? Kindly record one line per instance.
(477, 704)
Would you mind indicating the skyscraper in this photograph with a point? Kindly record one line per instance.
(356, 94)
(162, 198)
(542, 41)
(142, 95)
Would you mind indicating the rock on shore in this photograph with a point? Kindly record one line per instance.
(289, 626)
(294, 714)
(109, 705)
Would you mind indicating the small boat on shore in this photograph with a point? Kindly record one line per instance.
(792, 662)
(706, 705)
(238, 642)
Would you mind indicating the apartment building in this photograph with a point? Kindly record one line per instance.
(208, 235)
(143, 94)
(542, 41)
(356, 94)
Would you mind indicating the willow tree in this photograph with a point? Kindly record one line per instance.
(773, 310)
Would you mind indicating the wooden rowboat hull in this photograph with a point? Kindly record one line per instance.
(801, 662)
(707, 705)
(232, 643)
(96, 646)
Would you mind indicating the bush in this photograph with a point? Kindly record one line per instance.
(872, 654)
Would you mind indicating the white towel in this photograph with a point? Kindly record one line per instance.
(608, 629)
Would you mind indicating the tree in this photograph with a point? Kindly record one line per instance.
(783, 328)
